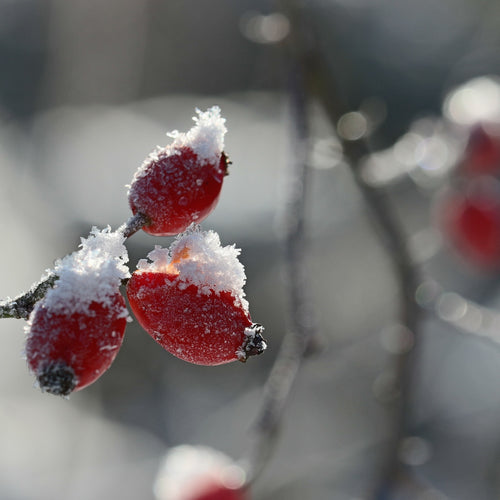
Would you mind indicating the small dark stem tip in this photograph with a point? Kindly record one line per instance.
(254, 343)
(134, 224)
(56, 377)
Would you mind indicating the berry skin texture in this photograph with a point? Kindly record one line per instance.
(67, 352)
(176, 189)
(190, 299)
(201, 328)
(471, 221)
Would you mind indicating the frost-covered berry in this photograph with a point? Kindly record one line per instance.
(181, 183)
(199, 473)
(67, 352)
(190, 299)
(76, 330)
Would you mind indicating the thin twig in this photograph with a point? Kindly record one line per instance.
(134, 224)
(301, 329)
(21, 306)
(389, 231)
(395, 241)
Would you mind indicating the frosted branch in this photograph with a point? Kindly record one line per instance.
(21, 306)
(389, 230)
(302, 326)
(394, 239)
(134, 224)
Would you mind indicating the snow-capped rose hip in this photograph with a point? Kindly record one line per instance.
(199, 473)
(201, 328)
(76, 330)
(181, 183)
(191, 301)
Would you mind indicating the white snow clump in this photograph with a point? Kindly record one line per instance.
(199, 259)
(206, 137)
(91, 274)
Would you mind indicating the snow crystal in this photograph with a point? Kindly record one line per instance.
(206, 138)
(199, 258)
(91, 274)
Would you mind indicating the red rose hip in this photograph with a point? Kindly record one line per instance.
(190, 300)
(68, 352)
(76, 330)
(181, 183)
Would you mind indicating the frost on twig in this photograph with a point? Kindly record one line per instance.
(91, 274)
(21, 306)
(134, 224)
(302, 328)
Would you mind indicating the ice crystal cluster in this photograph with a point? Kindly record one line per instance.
(92, 274)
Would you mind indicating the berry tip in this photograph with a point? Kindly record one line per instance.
(57, 378)
(254, 342)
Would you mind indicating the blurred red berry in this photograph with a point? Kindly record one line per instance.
(216, 491)
(67, 352)
(190, 300)
(482, 154)
(181, 183)
(199, 473)
(471, 220)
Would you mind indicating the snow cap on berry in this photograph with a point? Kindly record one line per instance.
(198, 258)
(186, 471)
(206, 138)
(91, 274)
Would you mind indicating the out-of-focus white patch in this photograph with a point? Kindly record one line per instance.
(476, 100)
(264, 29)
(188, 470)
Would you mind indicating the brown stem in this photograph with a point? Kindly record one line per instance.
(21, 306)
(388, 227)
(301, 325)
(134, 224)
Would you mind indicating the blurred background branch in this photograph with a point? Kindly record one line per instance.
(300, 324)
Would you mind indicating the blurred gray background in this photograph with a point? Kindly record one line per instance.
(87, 90)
